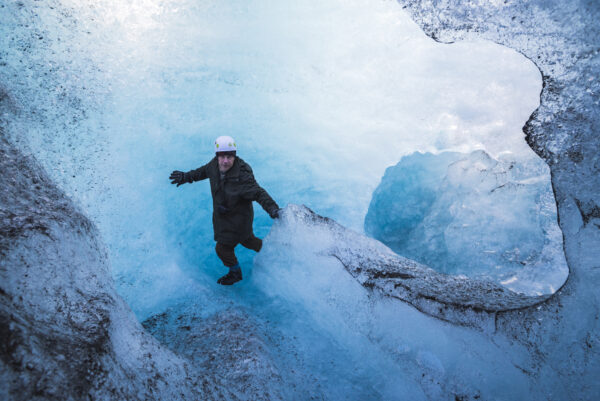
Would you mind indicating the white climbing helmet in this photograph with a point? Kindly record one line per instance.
(225, 144)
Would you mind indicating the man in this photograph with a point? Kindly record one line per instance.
(233, 189)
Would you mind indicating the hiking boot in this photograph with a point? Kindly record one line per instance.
(233, 276)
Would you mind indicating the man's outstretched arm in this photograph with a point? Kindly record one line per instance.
(179, 177)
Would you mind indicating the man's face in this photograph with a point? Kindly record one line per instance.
(225, 162)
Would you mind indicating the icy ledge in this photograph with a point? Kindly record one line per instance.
(556, 334)
(455, 299)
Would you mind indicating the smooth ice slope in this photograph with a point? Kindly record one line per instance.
(473, 215)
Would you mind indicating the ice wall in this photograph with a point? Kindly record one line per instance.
(320, 97)
(93, 91)
(474, 215)
(561, 38)
(65, 332)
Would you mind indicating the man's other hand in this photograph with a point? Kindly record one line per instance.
(274, 213)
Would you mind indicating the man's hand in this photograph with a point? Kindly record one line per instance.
(274, 213)
(177, 177)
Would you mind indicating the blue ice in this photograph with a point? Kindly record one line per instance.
(321, 98)
(473, 215)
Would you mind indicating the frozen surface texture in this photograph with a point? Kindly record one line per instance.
(562, 40)
(226, 346)
(323, 310)
(471, 214)
(66, 334)
(452, 298)
(427, 335)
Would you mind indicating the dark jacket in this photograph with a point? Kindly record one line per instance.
(233, 213)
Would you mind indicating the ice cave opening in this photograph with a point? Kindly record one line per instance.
(343, 106)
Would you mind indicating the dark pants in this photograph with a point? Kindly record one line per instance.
(226, 252)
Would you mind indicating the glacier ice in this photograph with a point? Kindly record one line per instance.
(107, 94)
(316, 103)
(471, 214)
(558, 37)
(305, 253)
(66, 334)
